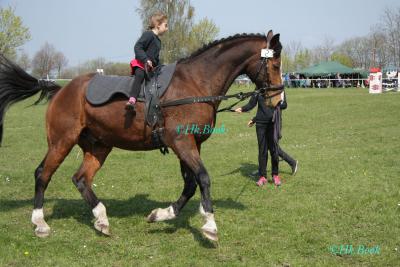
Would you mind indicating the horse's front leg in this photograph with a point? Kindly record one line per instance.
(192, 169)
(209, 229)
(173, 210)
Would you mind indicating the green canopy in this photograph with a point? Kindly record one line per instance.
(390, 68)
(363, 73)
(327, 68)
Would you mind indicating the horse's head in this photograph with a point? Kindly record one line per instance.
(265, 69)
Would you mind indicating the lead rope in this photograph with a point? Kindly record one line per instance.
(229, 108)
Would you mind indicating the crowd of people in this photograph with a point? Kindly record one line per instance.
(296, 80)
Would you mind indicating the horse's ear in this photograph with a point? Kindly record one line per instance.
(274, 41)
(276, 45)
(269, 36)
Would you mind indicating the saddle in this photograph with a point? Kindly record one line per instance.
(102, 89)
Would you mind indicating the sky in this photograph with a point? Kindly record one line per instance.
(89, 29)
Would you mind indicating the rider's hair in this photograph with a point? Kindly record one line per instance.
(156, 19)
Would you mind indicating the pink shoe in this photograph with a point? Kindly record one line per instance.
(262, 181)
(130, 105)
(132, 100)
(277, 180)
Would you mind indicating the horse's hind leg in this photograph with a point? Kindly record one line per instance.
(43, 173)
(94, 157)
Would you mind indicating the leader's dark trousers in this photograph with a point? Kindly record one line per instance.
(286, 157)
(265, 138)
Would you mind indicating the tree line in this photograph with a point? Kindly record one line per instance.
(379, 48)
(184, 37)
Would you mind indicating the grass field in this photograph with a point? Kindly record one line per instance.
(347, 192)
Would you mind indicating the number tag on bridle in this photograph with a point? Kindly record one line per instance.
(267, 53)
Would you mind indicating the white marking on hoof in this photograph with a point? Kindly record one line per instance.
(42, 228)
(158, 215)
(209, 229)
(101, 224)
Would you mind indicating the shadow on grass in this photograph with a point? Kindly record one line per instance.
(140, 205)
(246, 169)
(250, 170)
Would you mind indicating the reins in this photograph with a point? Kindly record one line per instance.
(241, 96)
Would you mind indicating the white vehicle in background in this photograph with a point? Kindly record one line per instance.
(242, 79)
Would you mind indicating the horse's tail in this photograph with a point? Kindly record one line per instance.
(17, 85)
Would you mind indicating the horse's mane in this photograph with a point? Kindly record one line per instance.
(217, 42)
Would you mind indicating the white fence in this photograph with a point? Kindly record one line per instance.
(337, 83)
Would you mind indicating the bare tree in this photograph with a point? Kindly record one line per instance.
(24, 61)
(288, 56)
(43, 61)
(293, 48)
(379, 47)
(391, 26)
(92, 65)
(69, 73)
(324, 51)
(302, 59)
(358, 50)
(60, 62)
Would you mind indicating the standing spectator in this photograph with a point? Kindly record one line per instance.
(265, 129)
(287, 80)
(338, 82)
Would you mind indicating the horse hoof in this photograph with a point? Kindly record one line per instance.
(102, 228)
(158, 215)
(211, 235)
(42, 231)
(152, 217)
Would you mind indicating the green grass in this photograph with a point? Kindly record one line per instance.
(347, 191)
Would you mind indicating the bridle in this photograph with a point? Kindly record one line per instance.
(266, 84)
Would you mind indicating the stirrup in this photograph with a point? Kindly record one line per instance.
(130, 106)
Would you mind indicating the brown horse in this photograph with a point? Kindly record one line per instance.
(71, 120)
